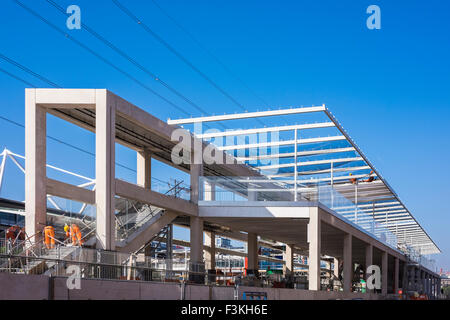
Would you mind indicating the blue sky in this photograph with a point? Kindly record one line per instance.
(389, 88)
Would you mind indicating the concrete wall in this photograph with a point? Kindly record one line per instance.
(29, 287)
(40, 287)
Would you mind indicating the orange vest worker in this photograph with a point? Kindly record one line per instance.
(49, 237)
(75, 233)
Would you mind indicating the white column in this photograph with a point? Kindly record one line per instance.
(348, 263)
(105, 169)
(144, 169)
(295, 166)
(252, 251)
(35, 164)
(209, 191)
(384, 272)
(314, 240)
(336, 267)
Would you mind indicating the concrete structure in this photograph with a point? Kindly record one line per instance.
(299, 217)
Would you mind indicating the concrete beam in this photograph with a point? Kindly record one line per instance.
(150, 229)
(131, 191)
(66, 98)
(69, 191)
(253, 209)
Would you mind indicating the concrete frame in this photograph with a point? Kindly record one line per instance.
(108, 106)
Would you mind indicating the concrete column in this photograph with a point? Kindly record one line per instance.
(105, 170)
(348, 263)
(196, 171)
(35, 164)
(384, 273)
(252, 251)
(196, 240)
(414, 278)
(433, 289)
(210, 254)
(144, 169)
(314, 240)
(288, 268)
(369, 261)
(438, 287)
(422, 281)
(396, 274)
(417, 279)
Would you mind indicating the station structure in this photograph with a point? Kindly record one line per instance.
(304, 184)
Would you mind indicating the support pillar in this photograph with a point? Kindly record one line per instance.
(196, 266)
(384, 273)
(252, 251)
(438, 288)
(288, 267)
(210, 254)
(196, 171)
(196, 240)
(433, 288)
(396, 275)
(144, 169)
(314, 240)
(35, 164)
(105, 170)
(369, 261)
(348, 263)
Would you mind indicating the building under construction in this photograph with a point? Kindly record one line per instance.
(312, 212)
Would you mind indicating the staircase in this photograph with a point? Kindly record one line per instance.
(48, 261)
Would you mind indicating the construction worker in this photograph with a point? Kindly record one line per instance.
(352, 180)
(14, 233)
(49, 237)
(75, 233)
(370, 178)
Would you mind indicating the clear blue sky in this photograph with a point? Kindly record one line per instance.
(388, 87)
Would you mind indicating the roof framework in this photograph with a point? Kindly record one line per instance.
(301, 156)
